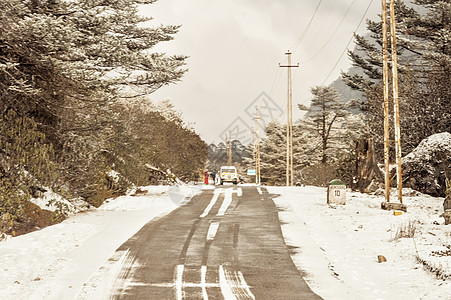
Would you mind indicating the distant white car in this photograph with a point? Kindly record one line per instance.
(229, 174)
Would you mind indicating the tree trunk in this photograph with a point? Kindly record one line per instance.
(368, 175)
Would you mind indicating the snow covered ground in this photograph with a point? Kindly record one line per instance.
(55, 262)
(338, 246)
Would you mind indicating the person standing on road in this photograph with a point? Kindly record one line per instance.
(218, 178)
(206, 177)
(213, 176)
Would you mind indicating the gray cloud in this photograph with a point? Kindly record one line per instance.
(235, 47)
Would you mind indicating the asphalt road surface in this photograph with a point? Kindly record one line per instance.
(225, 243)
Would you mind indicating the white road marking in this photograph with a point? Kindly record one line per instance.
(179, 281)
(212, 202)
(259, 189)
(203, 272)
(226, 203)
(212, 230)
(185, 284)
(233, 285)
(226, 290)
(239, 192)
(243, 284)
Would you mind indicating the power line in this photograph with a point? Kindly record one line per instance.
(349, 42)
(325, 15)
(332, 35)
(275, 82)
(341, 56)
(294, 47)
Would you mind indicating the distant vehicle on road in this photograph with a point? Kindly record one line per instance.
(228, 174)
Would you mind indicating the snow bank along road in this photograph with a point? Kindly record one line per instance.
(224, 244)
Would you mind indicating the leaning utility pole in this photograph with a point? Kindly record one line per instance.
(289, 172)
(396, 99)
(386, 102)
(257, 140)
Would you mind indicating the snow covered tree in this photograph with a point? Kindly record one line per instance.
(66, 60)
(113, 47)
(428, 37)
(326, 113)
(64, 65)
(273, 154)
(424, 75)
(160, 140)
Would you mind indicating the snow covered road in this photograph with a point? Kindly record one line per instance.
(335, 248)
(225, 244)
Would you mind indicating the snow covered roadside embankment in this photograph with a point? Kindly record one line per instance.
(54, 263)
(338, 246)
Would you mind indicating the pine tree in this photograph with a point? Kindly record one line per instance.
(429, 36)
(325, 114)
(423, 62)
(64, 65)
(273, 154)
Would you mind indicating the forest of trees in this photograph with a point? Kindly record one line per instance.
(73, 80)
(324, 142)
(217, 155)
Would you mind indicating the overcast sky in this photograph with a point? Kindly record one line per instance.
(235, 48)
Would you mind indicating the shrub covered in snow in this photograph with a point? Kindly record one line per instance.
(425, 167)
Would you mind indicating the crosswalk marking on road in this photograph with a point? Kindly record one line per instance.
(203, 271)
(179, 281)
(232, 284)
(226, 289)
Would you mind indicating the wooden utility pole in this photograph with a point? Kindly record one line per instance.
(229, 150)
(396, 99)
(254, 150)
(289, 172)
(257, 156)
(386, 102)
